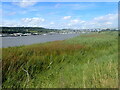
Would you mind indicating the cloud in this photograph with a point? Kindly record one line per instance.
(27, 22)
(109, 17)
(33, 20)
(109, 20)
(74, 24)
(25, 3)
(75, 21)
(52, 23)
(66, 17)
(106, 21)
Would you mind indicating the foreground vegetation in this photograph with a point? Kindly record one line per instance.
(86, 61)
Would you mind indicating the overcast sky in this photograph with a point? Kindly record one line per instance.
(60, 14)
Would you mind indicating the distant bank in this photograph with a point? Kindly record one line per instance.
(28, 40)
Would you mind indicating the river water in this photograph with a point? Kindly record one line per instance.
(28, 40)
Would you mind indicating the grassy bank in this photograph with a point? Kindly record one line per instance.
(86, 61)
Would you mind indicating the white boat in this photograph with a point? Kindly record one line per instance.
(44, 34)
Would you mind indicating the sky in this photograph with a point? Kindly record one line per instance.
(60, 15)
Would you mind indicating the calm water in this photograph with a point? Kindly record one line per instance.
(27, 40)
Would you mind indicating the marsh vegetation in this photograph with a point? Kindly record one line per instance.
(85, 61)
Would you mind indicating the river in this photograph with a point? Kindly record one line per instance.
(33, 39)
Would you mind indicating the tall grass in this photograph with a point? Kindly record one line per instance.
(86, 61)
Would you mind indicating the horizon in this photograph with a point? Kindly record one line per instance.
(60, 15)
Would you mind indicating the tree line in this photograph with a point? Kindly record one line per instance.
(11, 30)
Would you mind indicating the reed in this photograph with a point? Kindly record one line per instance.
(86, 61)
